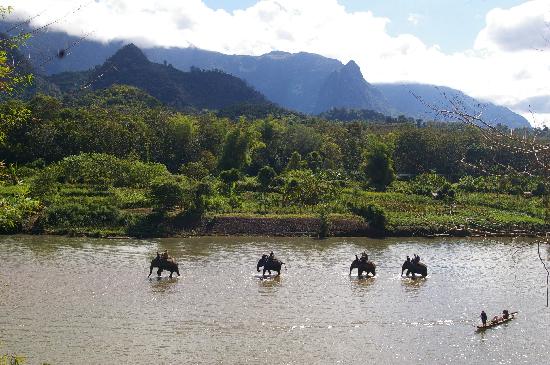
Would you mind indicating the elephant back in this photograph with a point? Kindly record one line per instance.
(275, 263)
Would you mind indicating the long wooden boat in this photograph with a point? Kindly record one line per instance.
(498, 322)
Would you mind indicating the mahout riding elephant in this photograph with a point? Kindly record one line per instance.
(363, 266)
(269, 263)
(414, 268)
(164, 264)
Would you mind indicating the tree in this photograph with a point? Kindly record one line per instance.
(167, 194)
(266, 175)
(229, 178)
(12, 79)
(378, 167)
(295, 162)
(237, 148)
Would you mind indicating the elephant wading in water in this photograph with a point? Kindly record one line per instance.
(269, 263)
(164, 264)
(363, 266)
(414, 268)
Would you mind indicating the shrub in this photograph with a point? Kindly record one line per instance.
(83, 214)
(372, 213)
(108, 170)
(45, 182)
(166, 194)
(427, 183)
(13, 212)
(324, 227)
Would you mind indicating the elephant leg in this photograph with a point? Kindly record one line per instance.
(359, 272)
(171, 272)
(150, 271)
(159, 271)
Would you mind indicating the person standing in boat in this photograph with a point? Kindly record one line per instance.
(483, 318)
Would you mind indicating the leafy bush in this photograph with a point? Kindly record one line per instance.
(108, 170)
(129, 198)
(446, 193)
(427, 183)
(372, 213)
(45, 182)
(166, 194)
(84, 213)
(194, 170)
(14, 210)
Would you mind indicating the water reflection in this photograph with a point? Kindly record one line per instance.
(361, 284)
(413, 284)
(163, 284)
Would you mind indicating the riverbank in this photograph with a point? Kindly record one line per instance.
(276, 226)
(83, 210)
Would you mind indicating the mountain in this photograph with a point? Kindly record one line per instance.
(290, 80)
(346, 88)
(303, 82)
(415, 100)
(196, 89)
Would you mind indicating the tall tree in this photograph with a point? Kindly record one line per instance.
(378, 165)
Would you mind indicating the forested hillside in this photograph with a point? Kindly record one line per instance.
(119, 161)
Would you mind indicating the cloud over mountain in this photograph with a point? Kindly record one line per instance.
(503, 66)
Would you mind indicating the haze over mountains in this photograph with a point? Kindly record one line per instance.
(303, 82)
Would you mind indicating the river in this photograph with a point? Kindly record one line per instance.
(88, 301)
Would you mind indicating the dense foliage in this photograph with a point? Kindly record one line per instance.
(111, 161)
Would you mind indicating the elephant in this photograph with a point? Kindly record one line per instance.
(363, 266)
(164, 264)
(269, 264)
(414, 268)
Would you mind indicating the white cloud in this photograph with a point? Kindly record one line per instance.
(524, 27)
(414, 18)
(502, 67)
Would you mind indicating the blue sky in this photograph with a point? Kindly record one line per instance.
(452, 24)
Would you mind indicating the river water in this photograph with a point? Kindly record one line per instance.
(89, 301)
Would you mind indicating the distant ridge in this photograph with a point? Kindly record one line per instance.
(296, 81)
(406, 97)
(197, 88)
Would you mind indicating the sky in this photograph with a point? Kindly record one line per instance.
(495, 50)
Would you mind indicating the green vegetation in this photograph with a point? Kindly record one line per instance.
(119, 162)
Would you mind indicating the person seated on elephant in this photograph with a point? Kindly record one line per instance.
(271, 256)
(165, 255)
(408, 259)
(364, 256)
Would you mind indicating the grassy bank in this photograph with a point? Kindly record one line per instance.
(79, 209)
